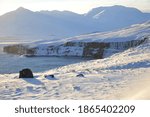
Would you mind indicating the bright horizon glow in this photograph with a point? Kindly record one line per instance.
(78, 6)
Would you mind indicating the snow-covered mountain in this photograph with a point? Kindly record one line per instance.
(97, 45)
(24, 23)
(117, 16)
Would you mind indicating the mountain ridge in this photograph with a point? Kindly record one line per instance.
(61, 24)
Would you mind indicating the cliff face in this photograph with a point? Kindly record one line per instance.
(95, 50)
(81, 49)
(99, 50)
(19, 50)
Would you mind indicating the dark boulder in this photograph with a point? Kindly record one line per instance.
(26, 73)
(80, 75)
(52, 76)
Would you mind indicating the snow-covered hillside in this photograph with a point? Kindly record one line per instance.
(133, 32)
(97, 45)
(109, 78)
(25, 24)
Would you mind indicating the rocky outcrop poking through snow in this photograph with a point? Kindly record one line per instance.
(94, 49)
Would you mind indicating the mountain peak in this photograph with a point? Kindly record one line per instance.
(113, 10)
(22, 9)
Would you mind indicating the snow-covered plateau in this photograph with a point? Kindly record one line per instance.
(108, 78)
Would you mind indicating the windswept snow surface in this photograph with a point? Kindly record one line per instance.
(109, 78)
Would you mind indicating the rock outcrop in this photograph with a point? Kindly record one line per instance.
(19, 49)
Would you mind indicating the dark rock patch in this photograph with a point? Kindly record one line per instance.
(26, 73)
(52, 76)
(80, 75)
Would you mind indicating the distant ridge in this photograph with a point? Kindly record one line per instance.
(24, 23)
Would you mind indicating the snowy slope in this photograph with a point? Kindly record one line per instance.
(97, 45)
(109, 78)
(25, 24)
(132, 32)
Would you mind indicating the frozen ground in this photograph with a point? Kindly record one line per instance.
(121, 76)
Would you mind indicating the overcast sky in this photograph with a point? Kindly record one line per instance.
(78, 6)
